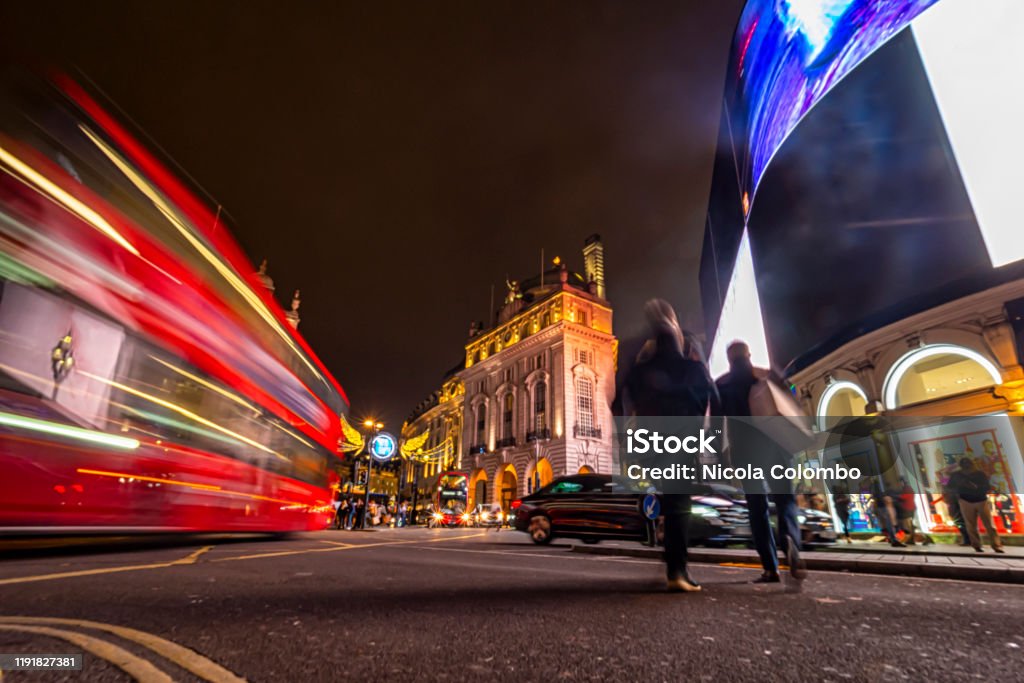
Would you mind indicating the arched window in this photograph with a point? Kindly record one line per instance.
(839, 400)
(936, 371)
(585, 409)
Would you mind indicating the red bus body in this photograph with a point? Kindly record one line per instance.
(147, 381)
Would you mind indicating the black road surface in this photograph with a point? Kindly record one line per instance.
(457, 605)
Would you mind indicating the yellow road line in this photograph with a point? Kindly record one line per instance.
(191, 559)
(188, 559)
(749, 565)
(338, 543)
(136, 667)
(84, 572)
(182, 656)
(354, 546)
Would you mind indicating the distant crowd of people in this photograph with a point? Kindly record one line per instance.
(968, 493)
(350, 511)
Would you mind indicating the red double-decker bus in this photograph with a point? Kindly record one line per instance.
(147, 381)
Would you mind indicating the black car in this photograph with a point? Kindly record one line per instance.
(594, 507)
(816, 527)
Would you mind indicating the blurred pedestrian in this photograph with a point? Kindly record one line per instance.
(972, 487)
(906, 510)
(341, 513)
(498, 514)
(350, 511)
(882, 503)
(668, 379)
(360, 516)
(734, 389)
(841, 504)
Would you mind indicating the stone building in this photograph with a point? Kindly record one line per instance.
(530, 401)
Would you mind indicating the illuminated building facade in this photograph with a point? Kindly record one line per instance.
(534, 388)
(440, 417)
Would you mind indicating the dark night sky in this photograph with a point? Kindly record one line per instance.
(394, 159)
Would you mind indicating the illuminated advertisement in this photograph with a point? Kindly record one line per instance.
(878, 139)
(787, 55)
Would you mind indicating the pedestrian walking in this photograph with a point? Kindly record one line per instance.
(972, 487)
(360, 513)
(403, 513)
(667, 378)
(906, 510)
(841, 504)
(498, 514)
(882, 503)
(734, 389)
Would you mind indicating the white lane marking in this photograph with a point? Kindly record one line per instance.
(187, 659)
(136, 667)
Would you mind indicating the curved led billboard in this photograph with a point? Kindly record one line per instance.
(787, 54)
(882, 141)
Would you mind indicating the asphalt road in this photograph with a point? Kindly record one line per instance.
(455, 605)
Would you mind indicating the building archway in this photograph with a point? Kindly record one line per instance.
(538, 475)
(586, 469)
(508, 488)
(478, 488)
(839, 400)
(937, 371)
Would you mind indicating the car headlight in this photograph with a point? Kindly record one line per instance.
(705, 511)
(438, 516)
(465, 517)
(801, 518)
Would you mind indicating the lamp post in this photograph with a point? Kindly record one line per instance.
(376, 427)
(415, 487)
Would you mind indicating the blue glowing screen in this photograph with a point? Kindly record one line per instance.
(787, 54)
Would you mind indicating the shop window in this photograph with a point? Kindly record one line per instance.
(935, 372)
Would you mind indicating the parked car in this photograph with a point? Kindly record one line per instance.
(485, 517)
(594, 507)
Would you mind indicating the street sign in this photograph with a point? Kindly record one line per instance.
(651, 506)
(383, 447)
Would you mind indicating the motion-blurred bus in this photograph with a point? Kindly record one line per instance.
(148, 382)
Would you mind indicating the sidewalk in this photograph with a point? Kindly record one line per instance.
(944, 562)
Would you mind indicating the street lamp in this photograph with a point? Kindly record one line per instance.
(369, 423)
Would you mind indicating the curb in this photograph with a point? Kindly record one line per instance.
(835, 564)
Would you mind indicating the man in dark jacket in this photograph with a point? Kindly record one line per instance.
(663, 382)
(972, 487)
(747, 446)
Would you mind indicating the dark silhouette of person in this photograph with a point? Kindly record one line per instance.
(747, 446)
(664, 382)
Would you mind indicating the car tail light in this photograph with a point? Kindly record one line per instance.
(515, 504)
